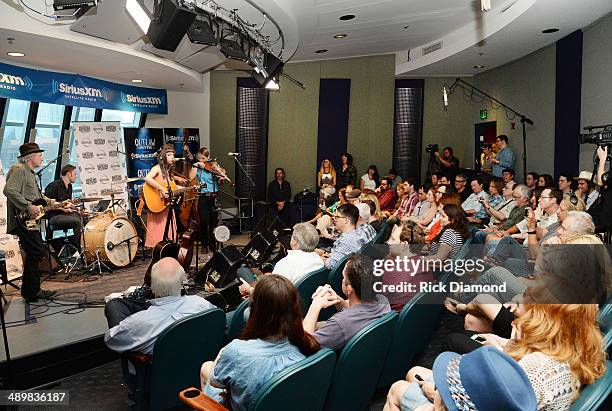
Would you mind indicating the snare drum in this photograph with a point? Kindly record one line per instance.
(110, 236)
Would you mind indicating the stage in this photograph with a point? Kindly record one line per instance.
(49, 340)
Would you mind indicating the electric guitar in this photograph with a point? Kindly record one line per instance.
(155, 200)
(32, 224)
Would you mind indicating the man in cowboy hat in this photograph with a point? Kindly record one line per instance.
(586, 188)
(21, 190)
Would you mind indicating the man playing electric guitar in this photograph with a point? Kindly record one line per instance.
(21, 190)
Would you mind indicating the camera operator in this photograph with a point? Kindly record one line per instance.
(449, 164)
(601, 210)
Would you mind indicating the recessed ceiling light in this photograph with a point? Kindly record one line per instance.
(347, 17)
(548, 31)
(15, 54)
(479, 66)
(405, 27)
(137, 80)
(340, 36)
(321, 51)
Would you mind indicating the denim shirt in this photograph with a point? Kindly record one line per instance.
(506, 160)
(244, 366)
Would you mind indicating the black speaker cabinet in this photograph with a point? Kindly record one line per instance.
(260, 248)
(168, 30)
(220, 270)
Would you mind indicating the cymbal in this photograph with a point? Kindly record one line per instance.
(88, 199)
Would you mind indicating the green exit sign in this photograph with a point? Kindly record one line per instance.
(483, 114)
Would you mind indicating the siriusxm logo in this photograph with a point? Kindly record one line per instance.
(89, 169)
(130, 98)
(88, 155)
(116, 166)
(111, 128)
(102, 167)
(16, 80)
(77, 91)
(117, 177)
(99, 141)
(91, 181)
(84, 129)
(104, 180)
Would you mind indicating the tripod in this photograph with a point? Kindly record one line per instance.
(6, 382)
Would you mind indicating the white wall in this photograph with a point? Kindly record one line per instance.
(186, 110)
(596, 82)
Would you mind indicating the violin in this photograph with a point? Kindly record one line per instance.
(213, 167)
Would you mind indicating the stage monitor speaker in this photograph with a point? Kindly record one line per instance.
(271, 224)
(220, 270)
(167, 31)
(201, 32)
(260, 248)
(227, 298)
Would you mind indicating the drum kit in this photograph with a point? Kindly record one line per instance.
(108, 237)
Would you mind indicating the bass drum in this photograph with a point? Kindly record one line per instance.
(114, 238)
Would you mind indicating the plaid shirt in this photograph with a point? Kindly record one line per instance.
(346, 244)
(408, 205)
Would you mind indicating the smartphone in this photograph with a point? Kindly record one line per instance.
(478, 338)
(527, 212)
(418, 377)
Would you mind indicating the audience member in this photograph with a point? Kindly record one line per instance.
(531, 180)
(370, 180)
(423, 205)
(347, 174)
(350, 240)
(394, 179)
(323, 219)
(497, 205)
(374, 221)
(586, 189)
(279, 195)
(449, 164)
(486, 159)
(326, 181)
(433, 179)
(443, 181)
(361, 306)
(601, 210)
(372, 197)
(545, 180)
(408, 204)
(565, 183)
(473, 205)
(454, 232)
(273, 339)
(354, 196)
(387, 197)
(426, 217)
(461, 187)
(505, 157)
(508, 176)
(363, 223)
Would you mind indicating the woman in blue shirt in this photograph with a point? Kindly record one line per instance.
(272, 340)
(206, 202)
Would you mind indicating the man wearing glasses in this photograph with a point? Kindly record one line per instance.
(505, 157)
(350, 240)
(461, 187)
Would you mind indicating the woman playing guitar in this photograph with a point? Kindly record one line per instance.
(159, 178)
(209, 174)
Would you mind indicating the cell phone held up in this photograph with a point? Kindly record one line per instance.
(478, 338)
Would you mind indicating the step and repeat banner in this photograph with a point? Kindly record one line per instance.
(100, 163)
(8, 243)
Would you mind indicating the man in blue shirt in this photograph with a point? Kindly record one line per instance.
(505, 157)
(350, 240)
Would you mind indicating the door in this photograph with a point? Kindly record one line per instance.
(484, 133)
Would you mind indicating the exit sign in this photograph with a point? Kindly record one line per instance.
(483, 114)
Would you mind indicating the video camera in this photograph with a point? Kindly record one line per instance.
(599, 135)
(432, 148)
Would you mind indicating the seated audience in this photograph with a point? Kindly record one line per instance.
(449, 164)
(372, 197)
(408, 204)
(545, 180)
(387, 197)
(347, 174)
(301, 259)
(443, 181)
(531, 180)
(361, 306)
(505, 203)
(353, 196)
(566, 180)
(370, 180)
(273, 339)
(394, 179)
(279, 196)
(350, 240)
(135, 325)
(423, 218)
(374, 220)
(323, 218)
(587, 189)
(461, 187)
(326, 181)
(363, 225)
(422, 205)
(454, 232)
(473, 205)
(433, 179)
(508, 176)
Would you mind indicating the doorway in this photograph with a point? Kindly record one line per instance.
(484, 133)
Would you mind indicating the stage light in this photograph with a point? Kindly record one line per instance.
(15, 54)
(273, 85)
(136, 80)
(445, 97)
(268, 72)
(168, 29)
(340, 36)
(485, 5)
(321, 51)
(138, 14)
(201, 31)
(232, 50)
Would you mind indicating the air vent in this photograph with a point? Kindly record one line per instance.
(432, 47)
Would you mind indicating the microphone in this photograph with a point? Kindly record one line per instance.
(445, 97)
(179, 159)
(233, 154)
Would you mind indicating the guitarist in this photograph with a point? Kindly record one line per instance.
(21, 190)
(65, 218)
(207, 173)
(160, 174)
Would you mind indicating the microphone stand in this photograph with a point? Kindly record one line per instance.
(523, 118)
(39, 173)
(244, 171)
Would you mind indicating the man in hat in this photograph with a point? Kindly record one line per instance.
(586, 188)
(21, 190)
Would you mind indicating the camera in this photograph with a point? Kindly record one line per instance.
(481, 199)
(432, 148)
(527, 212)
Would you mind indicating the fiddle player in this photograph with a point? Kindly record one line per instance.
(207, 172)
(21, 190)
(64, 218)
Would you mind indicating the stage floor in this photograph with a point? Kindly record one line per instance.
(77, 311)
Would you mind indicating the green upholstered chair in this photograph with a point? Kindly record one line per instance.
(308, 284)
(594, 395)
(235, 321)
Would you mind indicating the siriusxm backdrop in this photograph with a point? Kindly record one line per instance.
(74, 90)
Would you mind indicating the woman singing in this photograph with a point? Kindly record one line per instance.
(159, 176)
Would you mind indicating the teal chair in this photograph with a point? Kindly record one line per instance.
(359, 366)
(465, 249)
(378, 238)
(594, 395)
(335, 280)
(179, 353)
(235, 321)
(300, 387)
(416, 324)
(308, 284)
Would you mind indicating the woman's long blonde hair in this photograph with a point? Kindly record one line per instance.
(332, 170)
(565, 332)
(374, 199)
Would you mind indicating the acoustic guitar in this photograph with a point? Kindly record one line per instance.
(155, 200)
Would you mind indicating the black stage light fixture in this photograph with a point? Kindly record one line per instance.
(73, 4)
(201, 31)
(232, 50)
(168, 29)
(272, 67)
